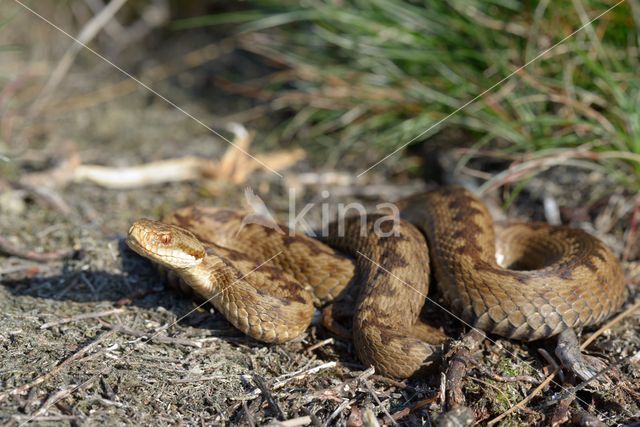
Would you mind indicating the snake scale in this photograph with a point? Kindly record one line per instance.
(523, 281)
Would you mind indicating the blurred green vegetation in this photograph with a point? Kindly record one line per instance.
(383, 72)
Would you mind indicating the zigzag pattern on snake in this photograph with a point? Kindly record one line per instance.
(549, 278)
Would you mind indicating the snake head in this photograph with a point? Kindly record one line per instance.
(168, 245)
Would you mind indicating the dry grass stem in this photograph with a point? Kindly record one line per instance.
(84, 316)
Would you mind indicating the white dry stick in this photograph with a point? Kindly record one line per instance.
(551, 210)
(173, 170)
(293, 422)
(90, 30)
(233, 167)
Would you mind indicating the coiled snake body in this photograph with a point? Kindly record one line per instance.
(519, 281)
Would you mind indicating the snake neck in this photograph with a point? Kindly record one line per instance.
(259, 310)
(208, 277)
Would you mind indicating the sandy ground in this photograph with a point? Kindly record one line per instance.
(131, 361)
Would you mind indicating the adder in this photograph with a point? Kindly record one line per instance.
(523, 281)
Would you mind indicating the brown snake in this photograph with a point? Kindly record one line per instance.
(519, 281)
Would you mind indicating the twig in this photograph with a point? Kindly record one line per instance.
(113, 28)
(233, 167)
(293, 422)
(13, 250)
(375, 397)
(578, 157)
(338, 411)
(609, 324)
(55, 370)
(45, 418)
(416, 406)
(154, 338)
(83, 316)
(173, 170)
(27, 270)
(45, 195)
(458, 366)
(551, 361)
(319, 344)
(268, 396)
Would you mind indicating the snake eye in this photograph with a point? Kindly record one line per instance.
(165, 239)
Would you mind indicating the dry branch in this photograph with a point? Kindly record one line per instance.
(9, 248)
